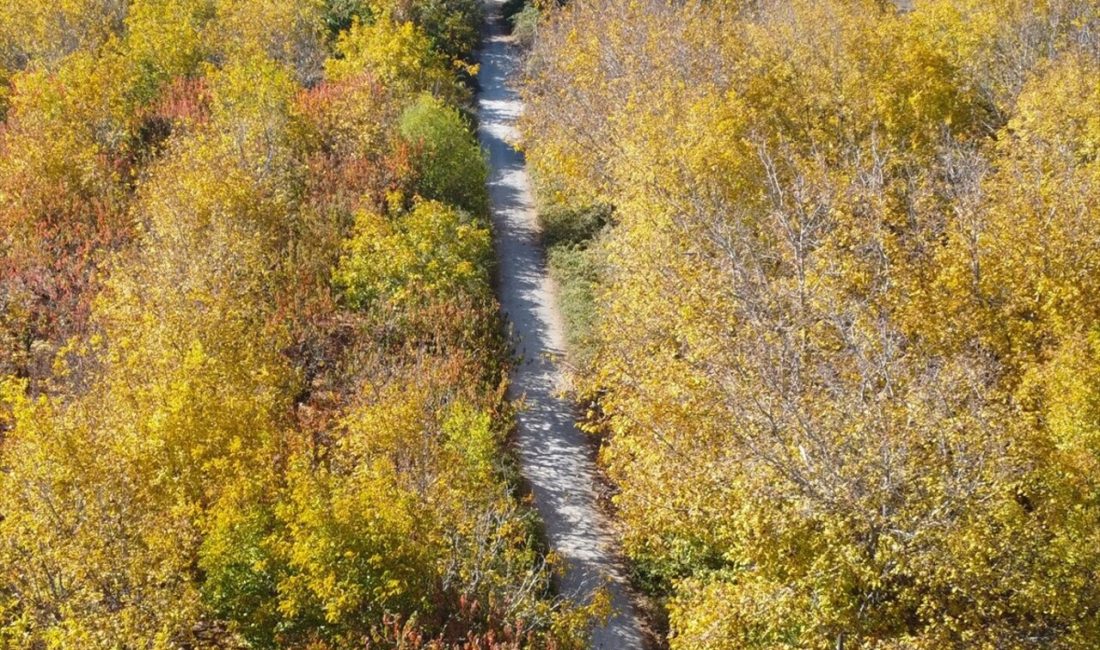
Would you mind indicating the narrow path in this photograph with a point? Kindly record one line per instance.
(554, 455)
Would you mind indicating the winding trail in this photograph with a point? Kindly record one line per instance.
(555, 458)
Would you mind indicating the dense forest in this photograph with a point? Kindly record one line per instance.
(252, 370)
(832, 269)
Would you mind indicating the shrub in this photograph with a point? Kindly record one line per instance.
(452, 167)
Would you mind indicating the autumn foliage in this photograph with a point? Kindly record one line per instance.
(251, 375)
(846, 323)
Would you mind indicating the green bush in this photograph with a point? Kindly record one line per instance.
(573, 226)
(525, 24)
(450, 163)
(453, 25)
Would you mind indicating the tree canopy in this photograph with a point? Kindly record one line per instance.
(846, 310)
(251, 373)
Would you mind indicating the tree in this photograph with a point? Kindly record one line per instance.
(396, 53)
(805, 456)
(431, 253)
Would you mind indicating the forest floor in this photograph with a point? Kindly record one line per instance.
(556, 459)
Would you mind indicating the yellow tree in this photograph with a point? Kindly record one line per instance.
(818, 314)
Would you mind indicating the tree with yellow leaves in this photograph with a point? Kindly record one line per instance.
(848, 270)
(251, 374)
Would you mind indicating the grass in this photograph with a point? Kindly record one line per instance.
(575, 264)
(525, 25)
